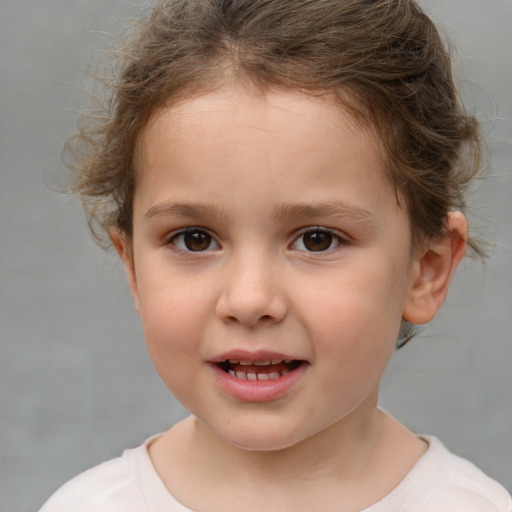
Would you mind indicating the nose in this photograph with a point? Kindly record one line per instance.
(251, 295)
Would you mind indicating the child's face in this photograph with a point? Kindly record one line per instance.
(294, 248)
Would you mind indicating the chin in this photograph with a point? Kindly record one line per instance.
(258, 437)
(261, 445)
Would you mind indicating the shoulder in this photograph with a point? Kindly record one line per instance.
(114, 486)
(454, 484)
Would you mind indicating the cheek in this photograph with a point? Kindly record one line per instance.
(356, 351)
(355, 319)
(170, 301)
(172, 344)
(354, 302)
(173, 319)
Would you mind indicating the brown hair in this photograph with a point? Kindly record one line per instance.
(384, 59)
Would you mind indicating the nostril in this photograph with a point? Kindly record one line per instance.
(263, 318)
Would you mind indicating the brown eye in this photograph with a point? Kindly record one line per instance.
(316, 240)
(195, 241)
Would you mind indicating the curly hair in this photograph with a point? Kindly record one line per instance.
(383, 59)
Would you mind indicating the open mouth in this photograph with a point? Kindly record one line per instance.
(270, 369)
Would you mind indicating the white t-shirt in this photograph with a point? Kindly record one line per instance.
(439, 482)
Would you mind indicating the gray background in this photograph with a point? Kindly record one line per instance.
(76, 386)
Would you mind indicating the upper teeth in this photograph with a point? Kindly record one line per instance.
(265, 362)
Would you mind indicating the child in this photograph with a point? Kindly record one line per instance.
(284, 183)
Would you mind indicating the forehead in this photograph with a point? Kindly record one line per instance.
(237, 140)
(279, 115)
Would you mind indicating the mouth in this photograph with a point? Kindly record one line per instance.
(259, 376)
(267, 369)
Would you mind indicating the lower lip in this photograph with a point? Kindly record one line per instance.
(258, 390)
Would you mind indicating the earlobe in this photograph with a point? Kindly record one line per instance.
(123, 247)
(433, 269)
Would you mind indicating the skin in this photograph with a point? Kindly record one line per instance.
(253, 175)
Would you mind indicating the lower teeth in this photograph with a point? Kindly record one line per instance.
(257, 376)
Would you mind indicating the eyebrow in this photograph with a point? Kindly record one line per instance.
(336, 209)
(195, 210)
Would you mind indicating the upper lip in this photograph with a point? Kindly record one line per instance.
(247, 355)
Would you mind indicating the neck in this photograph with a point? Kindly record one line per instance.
(346, 467)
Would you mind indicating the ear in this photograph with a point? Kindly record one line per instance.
(124, 249)
(433, 268)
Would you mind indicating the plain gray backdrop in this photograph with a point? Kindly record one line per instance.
(76, 385)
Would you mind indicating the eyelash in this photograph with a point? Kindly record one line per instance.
(192, 230)
(178, 239)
